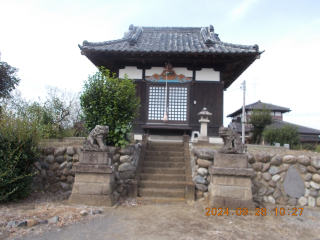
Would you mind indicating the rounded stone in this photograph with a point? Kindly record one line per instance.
(126, 151)
(266, 176)
(315, 162)
(55, 187)
(308, 177)
(70, 179)
(304, 160)
(257, 166)
(283, 176)
(125, 167)
(284, 167)
(271, 200)
(276, 194)
(116, 158)
(69, 165)
(201, 187)
(126, 175)
(59, 151)
(203, 163)
(125, 159)
(269, 191)
(316, 178)
(262, 157)
(120, 182)
(276, 160)
(276, 178)
(274, 170)
(202, 171)
(199, 180)
(54, 166)
(307, 184)
(306, 192)
(50, 173)
(63, 178)
(48, 151)
(49, 159)
(38, 165)
(71, 151)
(250, 158)
(265, 199)
(302, 169)
(311, 202)
(290, 159)
(63, 165)
(258, 176)
(311, 169)
(59, 159)
(205, 153)
(262, 191)
(318, 202)
(272, 184)
(313, 193)
(265, 167)
(292, 201)
(303, 201)
(45, 165)
(314, 185)
(65, 186)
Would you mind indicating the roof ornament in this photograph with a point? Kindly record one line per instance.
(206, 39)
(211, 29)
(135, 37)
(131, 27)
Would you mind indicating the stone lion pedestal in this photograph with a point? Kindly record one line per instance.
(230, 179)
(94, 176)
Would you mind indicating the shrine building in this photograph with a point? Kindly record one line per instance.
(193, 62)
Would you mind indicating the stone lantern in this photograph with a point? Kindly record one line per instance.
(204, 120)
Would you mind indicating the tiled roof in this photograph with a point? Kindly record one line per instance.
(237, 126)
(302, 130)
(170, 40)
(259, 105)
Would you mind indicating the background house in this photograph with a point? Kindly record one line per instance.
(309, 135)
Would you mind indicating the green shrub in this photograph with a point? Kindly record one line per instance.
(110, 101)
(286, 134)
(259, 120)
(309, 146)
(20, 132)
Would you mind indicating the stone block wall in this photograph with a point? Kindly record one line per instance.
(55, 172)
(278, 179)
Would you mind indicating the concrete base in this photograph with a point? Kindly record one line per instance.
(230, 182)
(230, 203)
(94, 200)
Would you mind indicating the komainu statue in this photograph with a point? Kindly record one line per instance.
(96, 139)
(232, 141)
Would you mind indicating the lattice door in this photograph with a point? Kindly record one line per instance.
(177, 98)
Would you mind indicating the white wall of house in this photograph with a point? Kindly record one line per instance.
(207, 74)
(132, 72)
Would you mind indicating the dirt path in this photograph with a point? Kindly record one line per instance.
(189, 222)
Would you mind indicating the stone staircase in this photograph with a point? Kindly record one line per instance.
(163, 178)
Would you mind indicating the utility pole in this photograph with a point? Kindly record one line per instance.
(243, 110)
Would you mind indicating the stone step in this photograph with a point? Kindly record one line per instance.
(165, 148)
(161, 201)
(163, 170)
(156, 164)
(162, 184)
(165, 144)
(164, 153)
(164, 192)
(164, 159)
(163, 177)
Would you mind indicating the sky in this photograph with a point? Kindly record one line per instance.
(41, 37)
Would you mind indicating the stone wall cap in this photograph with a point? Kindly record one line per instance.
(91, 168)
(231, 171)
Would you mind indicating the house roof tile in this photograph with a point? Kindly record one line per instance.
(170, 40)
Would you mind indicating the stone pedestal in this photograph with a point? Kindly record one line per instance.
(94, 180)
(230, 182)
(203, 130)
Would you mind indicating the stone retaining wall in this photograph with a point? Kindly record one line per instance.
(279, 179)
(55, 168)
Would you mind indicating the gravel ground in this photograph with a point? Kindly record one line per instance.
(131, 220)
